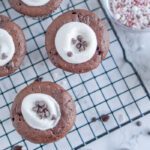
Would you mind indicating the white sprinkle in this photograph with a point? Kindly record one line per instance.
(117, 16)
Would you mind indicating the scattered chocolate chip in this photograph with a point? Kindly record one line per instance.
(73, 41)
(69, 54)
(3, 56)
(104, 118)
(17, 148)
(38, 79)
(139, 123)
(93, 119)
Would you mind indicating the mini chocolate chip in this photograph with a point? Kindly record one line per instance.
(85, 44)
(80, 38)
(10, 65)
(79, 45)
(3, 56)
(69, 54)
(41, 109)
(53, 117)
(82, 48)
(74, 12)
(73, 41)
(139, 123)
(47, 113)
(17, 147)
(93, 119)
(35, 109)
(104, 118)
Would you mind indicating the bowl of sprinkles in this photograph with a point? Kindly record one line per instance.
(130, 14)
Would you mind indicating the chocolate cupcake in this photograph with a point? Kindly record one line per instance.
(77, 41)
(43, 112)
(35, 8)
(12, 46)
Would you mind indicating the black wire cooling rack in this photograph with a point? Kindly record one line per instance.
(114, 88)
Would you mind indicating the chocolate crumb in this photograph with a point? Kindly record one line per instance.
(69, 54)
(104, 118)
(139, 123)
(93, 119)
(17, 147)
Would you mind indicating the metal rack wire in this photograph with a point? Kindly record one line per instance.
(118, 92)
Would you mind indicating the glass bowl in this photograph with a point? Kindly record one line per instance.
(135, 42)
(122, 26)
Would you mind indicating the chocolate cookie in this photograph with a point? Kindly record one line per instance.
(37, 126)
(35, 10)
(87, 20)
(10, 30)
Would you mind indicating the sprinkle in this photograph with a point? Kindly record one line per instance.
(132, 13)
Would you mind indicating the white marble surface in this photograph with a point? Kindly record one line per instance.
(130, 137)
(37, 58)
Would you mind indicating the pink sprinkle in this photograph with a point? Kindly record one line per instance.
(132, 13)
